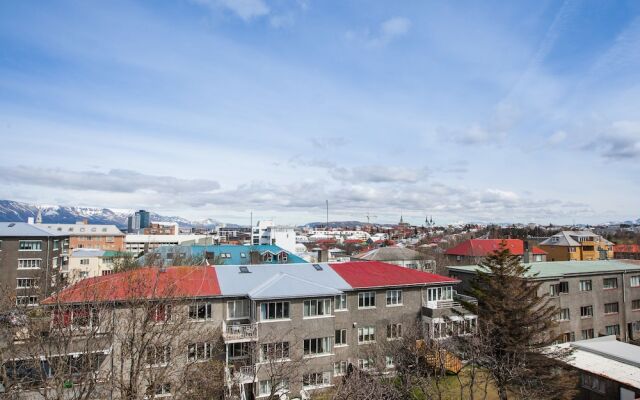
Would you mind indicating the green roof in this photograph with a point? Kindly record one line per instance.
(552, 269)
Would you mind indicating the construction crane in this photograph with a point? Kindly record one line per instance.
(369, 217)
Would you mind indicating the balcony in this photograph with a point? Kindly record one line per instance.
(440, 308)
(239, 332)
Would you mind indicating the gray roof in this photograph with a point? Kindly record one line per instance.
(390, 254)
(567, 238)
(608, 346)
(87, 253)
(554, 269)
(23, 229)
(274, 280)
(84, 229)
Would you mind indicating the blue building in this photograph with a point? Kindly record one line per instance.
(229, 254)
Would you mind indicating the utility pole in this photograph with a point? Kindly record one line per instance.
(327, 201)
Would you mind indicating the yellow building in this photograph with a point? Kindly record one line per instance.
(577, 246)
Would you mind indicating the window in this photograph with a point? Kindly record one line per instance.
(56, 244)
(54, 262)
(200, 351)
(238, 350)
(107, 272)
(564, 314)
(243, 255)
(274, 310)
(592, 383)
(274, 351)
(316, 379)
(365, 364)
(612, 329)
(635, 304)
(29, 263)
(611, 308)
(341, 302)
(366, 299)
(635, 281)
(30, 245)
(440, 293)
(394, 297)
(587, 334)
(340, 368)
(84, 261)
(389, 362)
(559, 288)
(341, 337)
(109, 239)
(317, 307)
(26, 300)
(586, 311)
(27, 283)
(394, 331)
(161, 313)
(586, 286)
(366, 334)
(318, 346)
(265, 387)
(200, 311)
(610, 283)
(158, 355)
(237, 309)
(568, 337)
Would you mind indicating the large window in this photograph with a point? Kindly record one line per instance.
(635, 281)
(586, 311)
(394, 331)
(635, 304)
(366, 334)
(317, 307)
(274, 351)
(27, 283)
(341, 302)
(588, 334)
(26, 300)
(365, 364)
(315, 379)
(238, 350)
(440, 293)
(29, 263)
(160, 312)
(593, 383)
(564, 314)
(200, 311)
(559, 288)
(612, 329)
(30, 245)
(340, 368)
(238, 309)
(265, 387)
(200, 351)
(318, 346)
(274, 310)
(611, 308)
(394, 297)
(158, 355)
(610, 283)
(341, 337)
(586, 285)
(366, 299)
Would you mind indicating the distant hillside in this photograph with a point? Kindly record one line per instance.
(14, 211)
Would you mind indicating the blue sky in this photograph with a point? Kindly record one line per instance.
(467, 111)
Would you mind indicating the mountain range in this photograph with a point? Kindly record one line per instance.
(14, 211)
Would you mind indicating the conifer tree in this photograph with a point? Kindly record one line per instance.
(517, 327)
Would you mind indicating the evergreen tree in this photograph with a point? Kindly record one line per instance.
(516, 326)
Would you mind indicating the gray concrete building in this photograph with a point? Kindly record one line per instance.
(595, 298)
(31, 260)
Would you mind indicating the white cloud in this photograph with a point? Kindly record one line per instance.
(557, 137)
(245, 9)
(388, 30)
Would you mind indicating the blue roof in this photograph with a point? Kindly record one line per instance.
(229, 254)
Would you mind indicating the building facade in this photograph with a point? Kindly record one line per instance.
(139, 220)
(577, 246)
(90, 263)
(595, 298)
(472, 251)
(90, 236)
(31, 261)
(626, 252)
(399, 256)
(266, 232)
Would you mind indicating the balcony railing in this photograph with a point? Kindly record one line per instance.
(455, 303)
(240, 332)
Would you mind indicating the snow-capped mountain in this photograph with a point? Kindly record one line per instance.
(14, 211)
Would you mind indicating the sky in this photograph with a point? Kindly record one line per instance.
(483, 111)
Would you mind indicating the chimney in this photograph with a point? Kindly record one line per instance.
(254, 257)
(323, 256)
(526, 255)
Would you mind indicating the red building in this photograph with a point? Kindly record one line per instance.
(473, 251)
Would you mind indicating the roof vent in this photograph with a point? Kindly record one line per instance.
(244, 270)
(318, 267)
(11, 225)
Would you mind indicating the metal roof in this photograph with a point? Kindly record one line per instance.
(87, 253)
(234, 254)
(235, 283)
(390, 253)
(23, 229)
(285, 285)
(84, 229)
(553, 269)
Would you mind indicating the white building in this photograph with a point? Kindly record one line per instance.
(266, 232)
(89, 263)
(135, 243)
(338, 235)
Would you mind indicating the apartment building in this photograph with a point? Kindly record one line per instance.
(266, 232)
(595, 298)
(626, 251)
(577, 246)
(472, 251)
(137, 243)
(31, 259)
(399, 256)
(90, 236)
(227, 254)
(89, 263)
(322, 317)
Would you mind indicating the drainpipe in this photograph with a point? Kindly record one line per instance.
(624, 304)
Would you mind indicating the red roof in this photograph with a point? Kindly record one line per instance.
(174, 282)
(626, 248)
(372, 274)
(482, 247)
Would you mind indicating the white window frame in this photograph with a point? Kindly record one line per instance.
(316, 308)
(343, 338)
(394, 297)
(341, 303)
(324, 343)
(37, 261)
(194, 311)
(586, 285)
(266, 306)
(366, 334)
(366, 297)
(39, 242)
(634, 281)
(238, 309)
